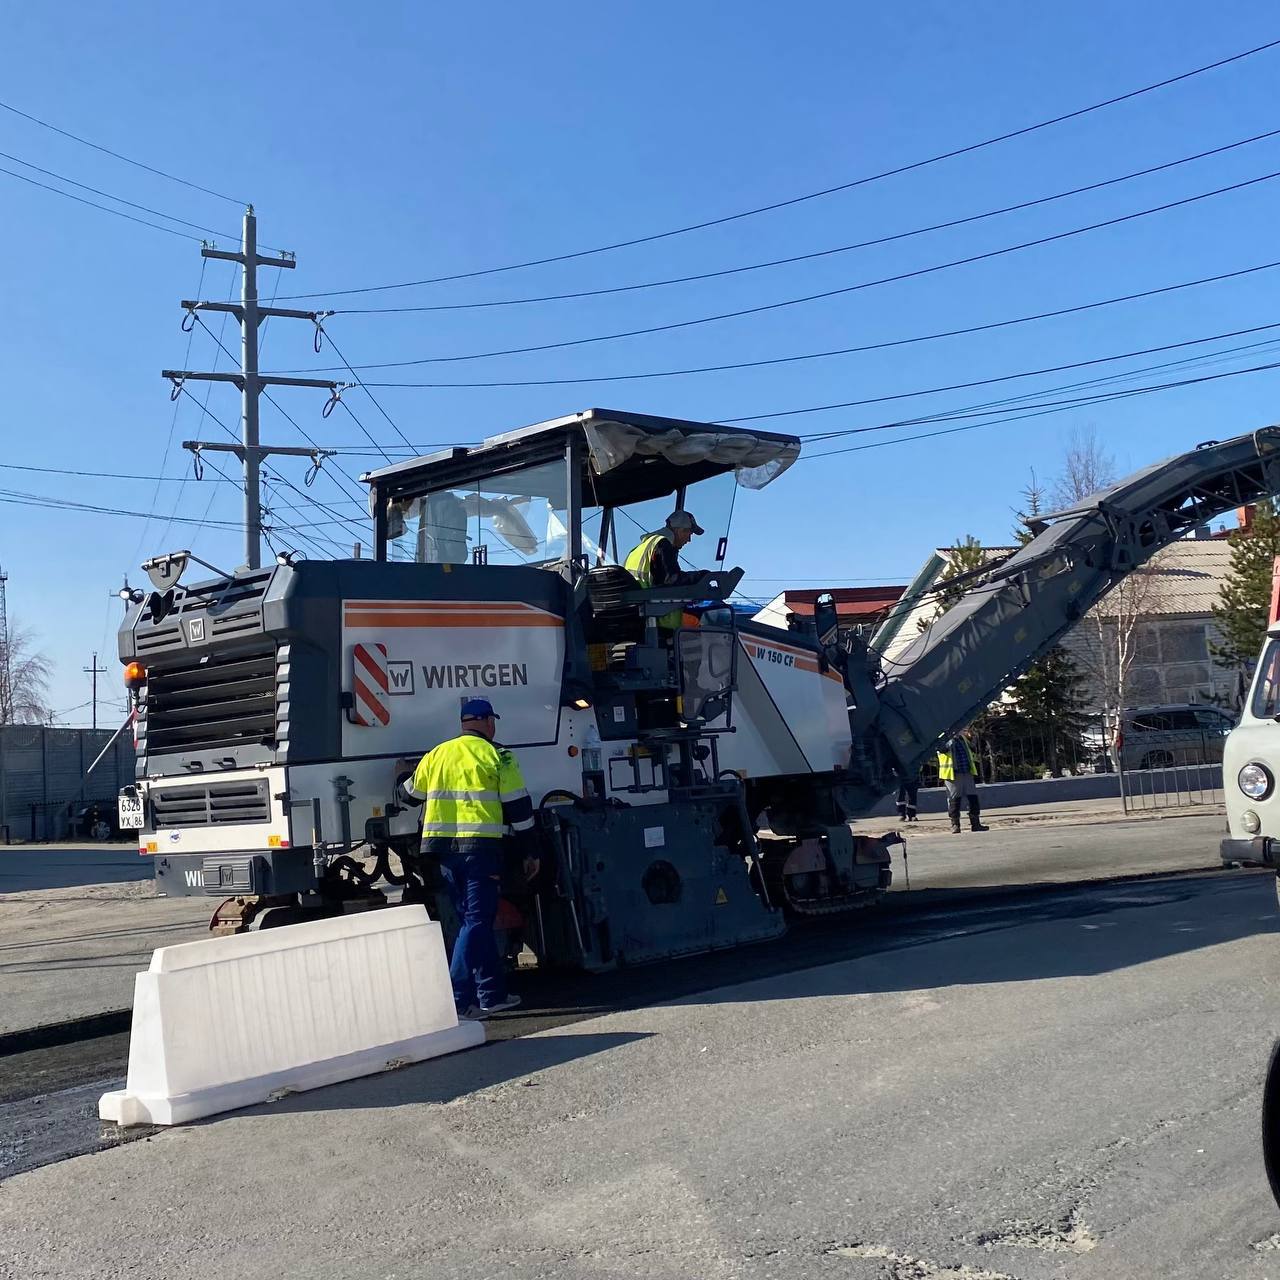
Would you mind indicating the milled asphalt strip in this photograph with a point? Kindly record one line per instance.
(922, 902)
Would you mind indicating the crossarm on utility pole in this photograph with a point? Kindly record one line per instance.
(233, 308)
(264, 379)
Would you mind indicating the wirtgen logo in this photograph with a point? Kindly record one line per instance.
(475, 675)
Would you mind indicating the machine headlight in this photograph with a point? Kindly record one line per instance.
(1255, 781)
(1251, 822)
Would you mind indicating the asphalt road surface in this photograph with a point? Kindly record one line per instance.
(1060, 1084)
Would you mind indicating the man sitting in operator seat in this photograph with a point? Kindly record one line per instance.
(655, 560)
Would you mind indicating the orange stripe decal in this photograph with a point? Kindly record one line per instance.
(451, 620)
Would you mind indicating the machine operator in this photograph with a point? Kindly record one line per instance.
(655, 560)
(473, 794)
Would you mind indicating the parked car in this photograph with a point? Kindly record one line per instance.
(96, 821)
(1163, 737)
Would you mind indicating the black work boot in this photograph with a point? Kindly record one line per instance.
(953, 812)
(975, 816)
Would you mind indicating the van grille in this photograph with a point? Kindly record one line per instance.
(225, 701)
(211, 804)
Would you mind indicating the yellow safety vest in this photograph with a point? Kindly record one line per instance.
(473, 790)
(639, 564)
(946, 769)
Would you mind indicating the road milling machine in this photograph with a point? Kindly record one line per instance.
(693, 786)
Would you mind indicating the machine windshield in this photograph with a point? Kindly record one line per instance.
(518, 518)
(710, 502)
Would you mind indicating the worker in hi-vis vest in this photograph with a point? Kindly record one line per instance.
(655, 560)
(955, 769)
(473, 794)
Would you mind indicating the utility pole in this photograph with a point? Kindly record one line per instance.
(250, 382)
(94, 671)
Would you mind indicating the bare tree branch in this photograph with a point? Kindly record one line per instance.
(25, 697)
(1086, 468)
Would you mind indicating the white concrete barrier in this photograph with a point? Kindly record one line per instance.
(229, 1022)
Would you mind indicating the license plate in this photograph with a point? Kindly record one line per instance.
(129, 811)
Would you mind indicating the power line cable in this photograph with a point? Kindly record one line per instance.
(812, 297)
(177, 501)
(107, 195)
(18, 498)
(377, 405)
(1004, 377)
(844, 351)
(173, 422)
(142, 222)
(804, 257)
(968, 149)
(137, 164)
(1041, 411)
(1007, 404)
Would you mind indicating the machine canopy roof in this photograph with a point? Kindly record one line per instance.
(625, 458)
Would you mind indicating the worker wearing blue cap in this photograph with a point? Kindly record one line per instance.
(473, 794)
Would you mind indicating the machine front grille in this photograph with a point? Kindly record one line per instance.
(222, 701)
(211, 804)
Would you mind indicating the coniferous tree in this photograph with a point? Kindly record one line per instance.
(1245, 599)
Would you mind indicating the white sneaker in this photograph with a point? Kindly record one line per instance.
(501, 1006)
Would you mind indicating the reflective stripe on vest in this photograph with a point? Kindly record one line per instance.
(639, 564)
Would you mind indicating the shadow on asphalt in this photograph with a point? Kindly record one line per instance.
(1109, 928)
(444, 1080)
(32, 867)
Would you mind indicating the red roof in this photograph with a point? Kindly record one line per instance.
(853, 604)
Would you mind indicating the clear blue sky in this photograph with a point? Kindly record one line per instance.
(418, 140)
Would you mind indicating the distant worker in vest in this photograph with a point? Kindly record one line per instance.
(473, 794)
(908, 797)
(655, 560)
(955, 769)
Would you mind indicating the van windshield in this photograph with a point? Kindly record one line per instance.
(1266, 689)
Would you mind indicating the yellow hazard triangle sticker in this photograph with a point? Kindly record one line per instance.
(721, 897)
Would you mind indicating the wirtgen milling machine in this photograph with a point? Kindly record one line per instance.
(693, 787)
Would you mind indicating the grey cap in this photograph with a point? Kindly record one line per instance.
(684, 520)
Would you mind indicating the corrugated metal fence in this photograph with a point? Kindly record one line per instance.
(40, 777)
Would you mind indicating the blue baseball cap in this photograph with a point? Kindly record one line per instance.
(478, 709)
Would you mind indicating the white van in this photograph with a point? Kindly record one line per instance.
(1251, 764)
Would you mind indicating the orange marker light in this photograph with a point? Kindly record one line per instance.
(135, 675)
(573, 751)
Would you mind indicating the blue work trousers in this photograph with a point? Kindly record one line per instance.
(476, 969)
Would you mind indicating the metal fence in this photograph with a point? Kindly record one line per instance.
(42, 782)
(1178, 786)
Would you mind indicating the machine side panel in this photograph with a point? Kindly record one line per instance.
(430, 656)
(809, 697)
(789, 716)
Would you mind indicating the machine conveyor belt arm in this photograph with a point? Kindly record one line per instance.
(1019, 610)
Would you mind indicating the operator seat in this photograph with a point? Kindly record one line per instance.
(613, 621)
